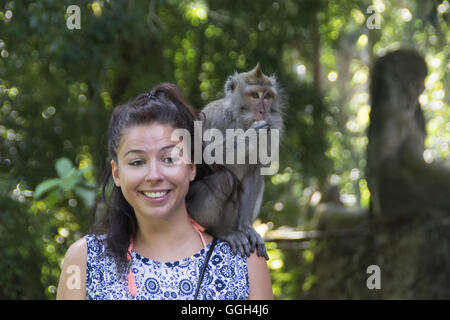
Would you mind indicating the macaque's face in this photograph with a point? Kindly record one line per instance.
(260, 100)
(153, 176)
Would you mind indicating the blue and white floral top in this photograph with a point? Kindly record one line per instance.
(225, 278)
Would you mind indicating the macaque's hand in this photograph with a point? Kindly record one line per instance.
(256, 242)
(260, 124)
(238, 242)
(245, 242)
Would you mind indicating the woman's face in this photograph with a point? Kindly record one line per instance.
(152, 180)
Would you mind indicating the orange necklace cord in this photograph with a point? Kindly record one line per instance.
(131, 278)
(199, 230)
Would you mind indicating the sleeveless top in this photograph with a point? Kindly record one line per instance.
(225, 278)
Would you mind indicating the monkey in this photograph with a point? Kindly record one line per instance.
(228, 201)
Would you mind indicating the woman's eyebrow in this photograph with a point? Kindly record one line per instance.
(142, 151)
(168, 147)
(133, 150)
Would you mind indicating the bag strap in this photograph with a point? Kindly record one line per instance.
(205, 264)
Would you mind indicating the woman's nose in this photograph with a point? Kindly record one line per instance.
(153, 171)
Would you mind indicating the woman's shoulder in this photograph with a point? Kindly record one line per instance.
(77, 250)
(73, 270)
(259, 278)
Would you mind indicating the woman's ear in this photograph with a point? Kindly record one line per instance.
(115, 173)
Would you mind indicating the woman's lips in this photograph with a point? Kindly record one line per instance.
(156, 197)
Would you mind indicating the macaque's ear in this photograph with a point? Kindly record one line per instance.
(256, 76)
(256, 73)
(115, 173)
(230, 85)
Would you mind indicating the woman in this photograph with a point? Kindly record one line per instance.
(148, 246)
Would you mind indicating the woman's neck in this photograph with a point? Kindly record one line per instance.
(167, 239)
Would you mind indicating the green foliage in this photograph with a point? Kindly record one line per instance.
(70, 179)
(58, 86)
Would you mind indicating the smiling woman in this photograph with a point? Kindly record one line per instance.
(151, 179)
(147, 238)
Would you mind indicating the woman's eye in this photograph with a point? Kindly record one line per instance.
(171, 160)
(136, 163)
(168, 160)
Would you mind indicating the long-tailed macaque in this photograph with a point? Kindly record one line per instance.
(228, 201)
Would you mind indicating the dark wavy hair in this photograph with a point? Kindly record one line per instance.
(165, 105)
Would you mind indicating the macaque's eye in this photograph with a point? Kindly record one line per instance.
(267, 96)
(254, 95)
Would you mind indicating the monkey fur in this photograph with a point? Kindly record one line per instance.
(253, 101)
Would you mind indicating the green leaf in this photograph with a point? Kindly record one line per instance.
(64, 167)
(45, 186)
(81, 171)
(88, 196)
(70, 181)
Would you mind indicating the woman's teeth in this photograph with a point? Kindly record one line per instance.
(155, 194)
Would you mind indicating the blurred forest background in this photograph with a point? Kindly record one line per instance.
(58, 87)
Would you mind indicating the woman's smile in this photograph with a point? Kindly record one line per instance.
(156, 196)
